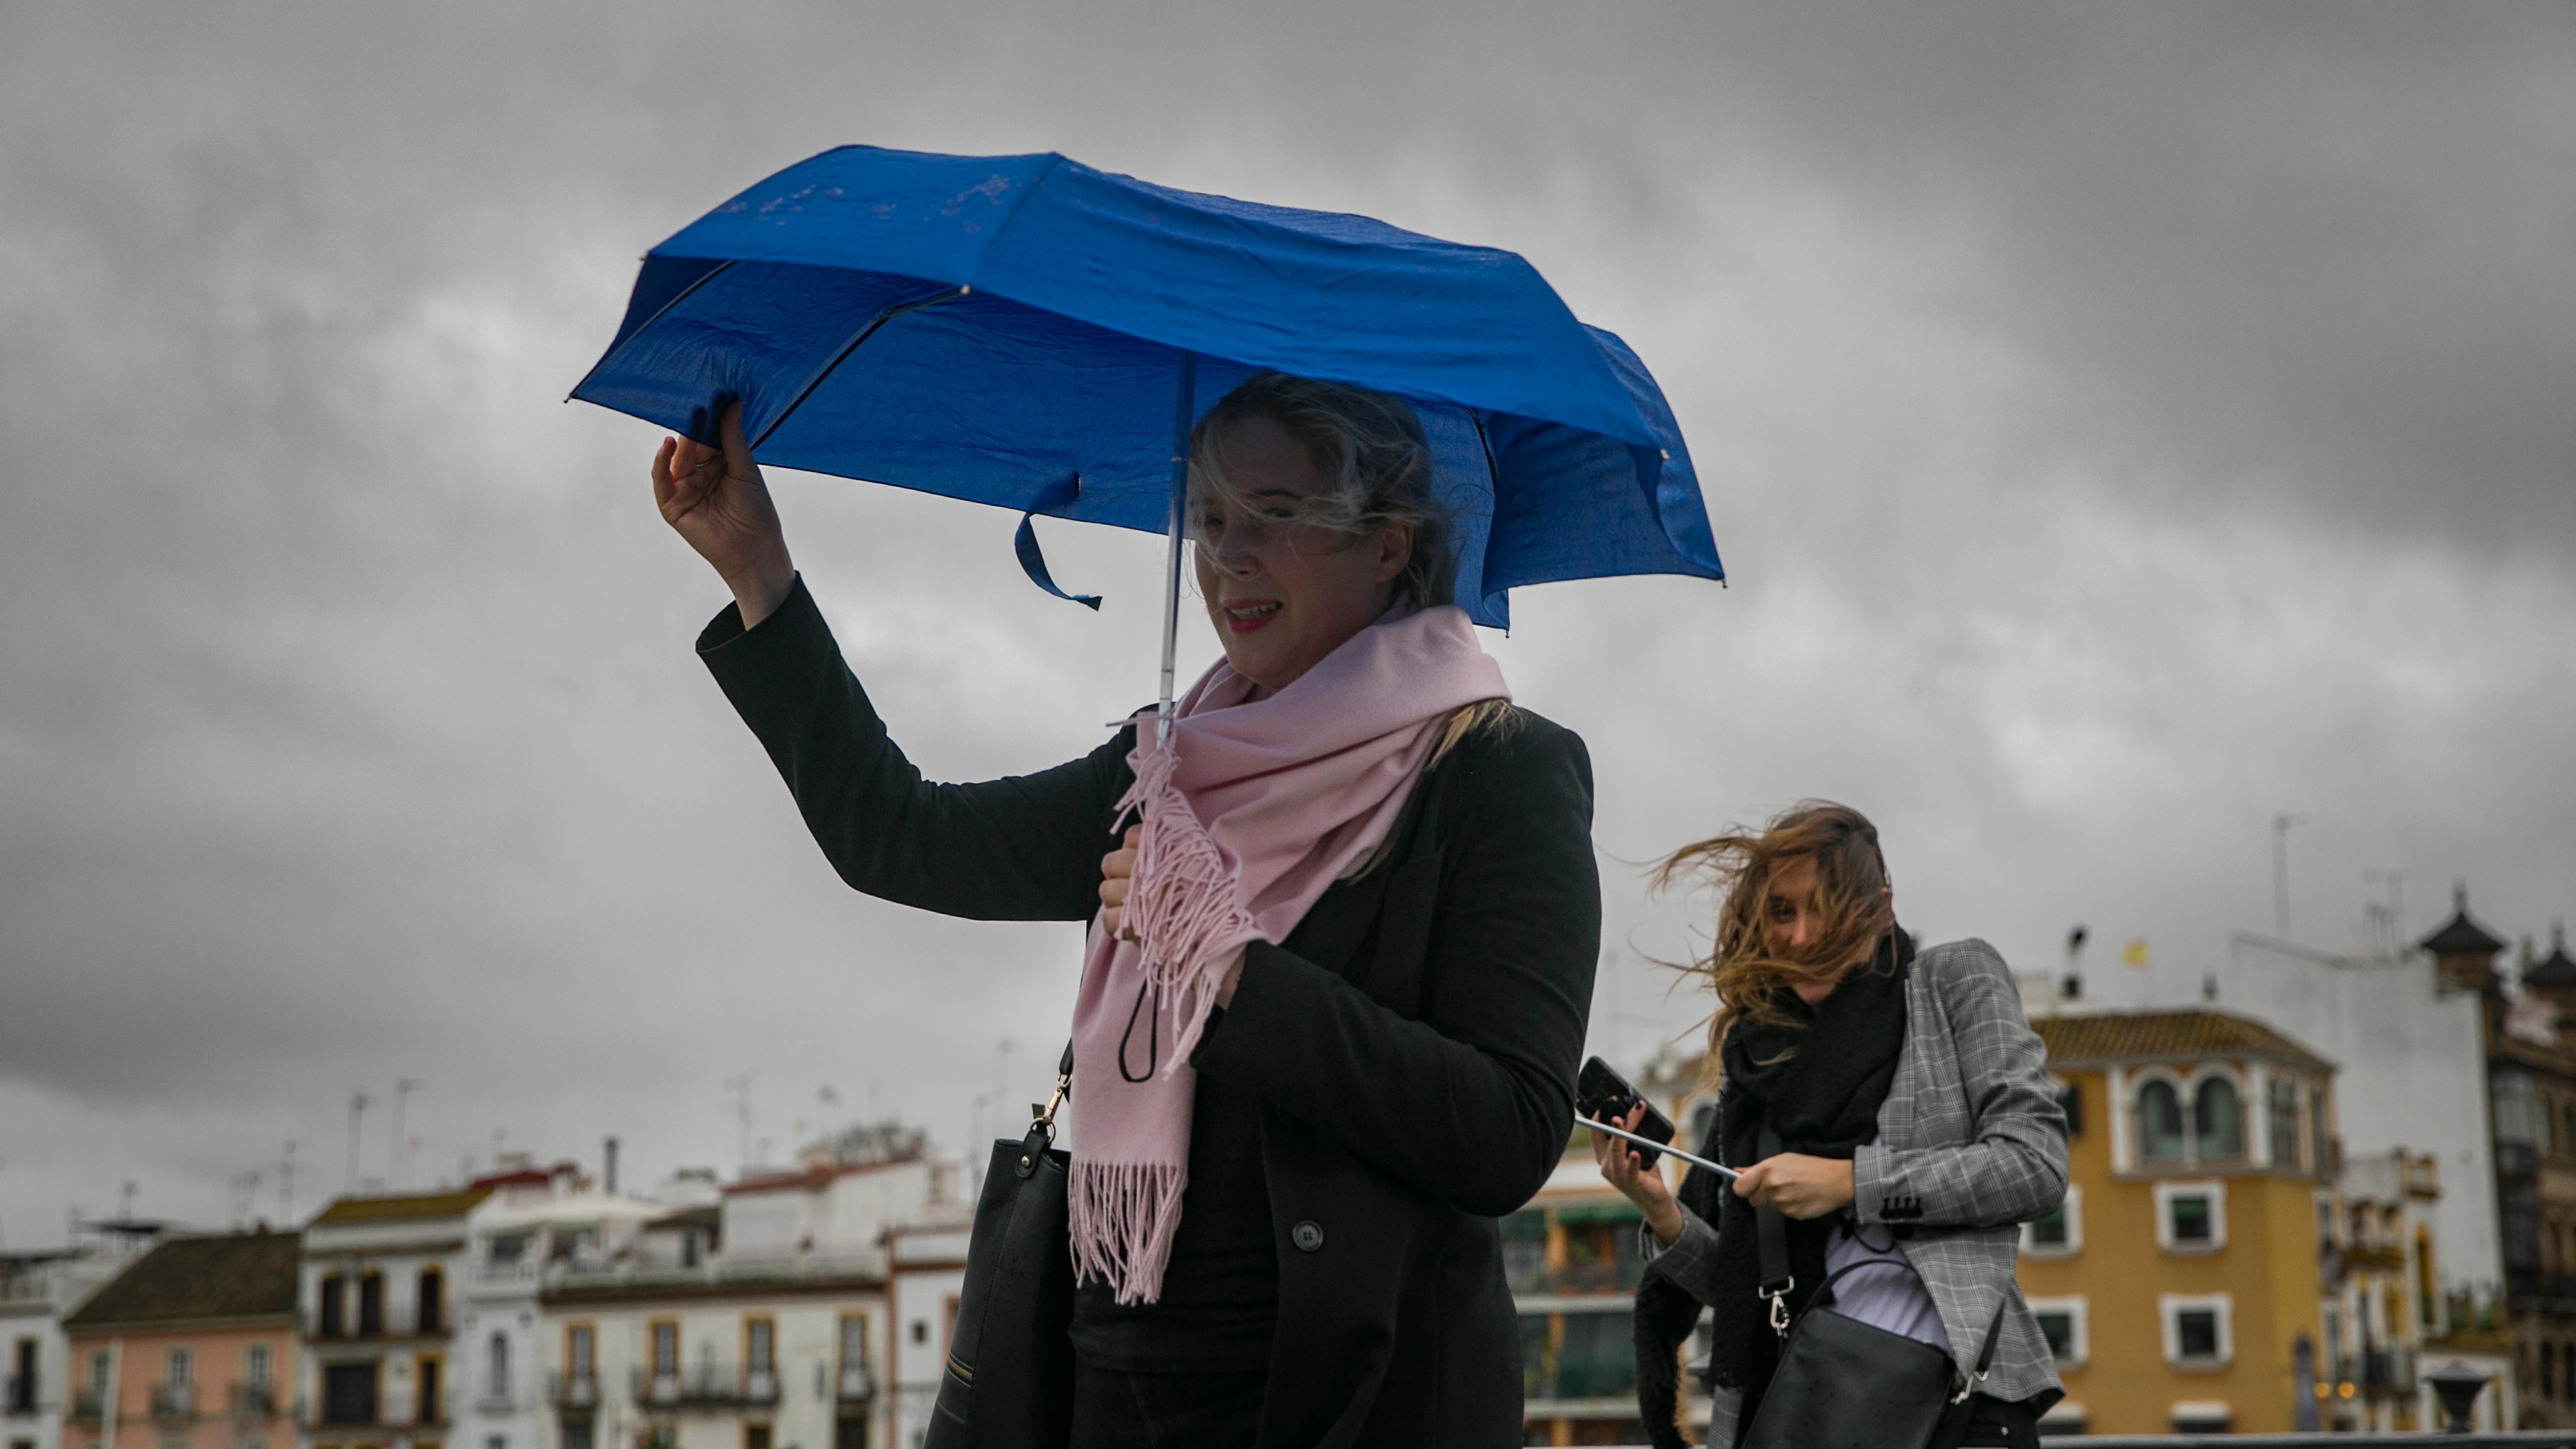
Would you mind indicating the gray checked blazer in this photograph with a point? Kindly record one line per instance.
(1972, 1144)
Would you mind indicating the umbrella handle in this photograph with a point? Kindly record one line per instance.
(1184, 412)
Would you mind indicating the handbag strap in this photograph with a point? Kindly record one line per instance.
(1771, 1238)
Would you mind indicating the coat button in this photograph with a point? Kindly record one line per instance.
(1308, 1236)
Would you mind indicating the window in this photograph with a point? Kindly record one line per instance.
(2218, 1120)
(2321, 1155)
(258, 1367)
(921, 1330)
(496, 1441)
(496, 1376)
(2059, 1234)
(349, 1393)
(22, 1378)
(432, 1313)
(371, 1305)
(666, 1350)
(333, 1313)
(755, 1436)
(182, 1368)
(426, 1409)
(850, 1431)
(100, 1367)
(2191, 1217)
(2202, 1416)
(2160, 1134)
(2062, 1323)
(2282, 1098)
(2198, 1329)
(577, 1434)
(581, 1350)
(2070, 1100)
(760, 1345)
(854, 1341)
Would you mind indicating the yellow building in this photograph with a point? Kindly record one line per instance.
(2180, 1283)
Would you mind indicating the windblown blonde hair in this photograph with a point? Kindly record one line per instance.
(1751, 977)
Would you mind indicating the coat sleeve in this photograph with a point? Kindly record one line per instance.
(1472, 1104)
(2013, 1169)
(1026, 848)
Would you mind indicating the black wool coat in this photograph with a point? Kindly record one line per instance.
(1414, 1041)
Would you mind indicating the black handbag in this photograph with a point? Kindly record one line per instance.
(1844, 1384)
(1008, 1383)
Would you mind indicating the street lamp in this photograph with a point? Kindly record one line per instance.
(2458, 1387)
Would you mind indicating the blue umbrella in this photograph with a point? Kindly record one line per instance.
(1011, 330)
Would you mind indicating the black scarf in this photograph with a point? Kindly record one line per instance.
(1823, 1101)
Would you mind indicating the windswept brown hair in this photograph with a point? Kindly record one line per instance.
(1751, 979)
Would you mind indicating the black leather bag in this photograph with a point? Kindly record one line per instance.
(1844, 1384)
(1008, 1383)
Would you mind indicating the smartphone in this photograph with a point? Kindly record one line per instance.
(1605, 1096)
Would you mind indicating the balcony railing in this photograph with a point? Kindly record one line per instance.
(573, 1393)
(22, 1394)
(707, 1386)
(254, 1401)
(174, 1401)
(856, 1385)
(86, 1404)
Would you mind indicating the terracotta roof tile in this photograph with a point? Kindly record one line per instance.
(411, 1207)
(2178, 1035)
(194, 1280)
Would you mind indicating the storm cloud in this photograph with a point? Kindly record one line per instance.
(2121, 425)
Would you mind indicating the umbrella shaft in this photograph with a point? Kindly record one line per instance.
(1184, 408)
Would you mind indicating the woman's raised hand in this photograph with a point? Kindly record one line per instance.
(716, 499)
(1626, 1170)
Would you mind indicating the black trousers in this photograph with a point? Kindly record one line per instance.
(1115, 1409)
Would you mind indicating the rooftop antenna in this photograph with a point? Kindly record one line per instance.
(2073, 986)
(401, 1163)
(125, 1194)
(740, 1085)
(2281, 825)
(358, 1104)
(286, 1183)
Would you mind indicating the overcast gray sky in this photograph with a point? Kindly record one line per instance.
(2122, 424)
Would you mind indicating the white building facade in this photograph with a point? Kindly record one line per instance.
(927, 1264)
(2415, 1079)
(378, 1296)
(760, 1323)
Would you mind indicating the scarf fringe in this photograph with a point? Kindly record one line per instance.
(1122, 1217)
(1185, 904)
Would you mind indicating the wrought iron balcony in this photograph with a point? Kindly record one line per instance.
(174, 1402)
(856, 1385)
(708, 1386)
(22, 1394)
(254, 1401)
(573, 1393)
(86, 1405)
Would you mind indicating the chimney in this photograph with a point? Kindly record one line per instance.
(608, 1166)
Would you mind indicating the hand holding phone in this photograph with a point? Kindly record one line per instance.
(1604, 1096)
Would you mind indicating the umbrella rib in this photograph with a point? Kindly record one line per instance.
(658, 314)
(863, 334)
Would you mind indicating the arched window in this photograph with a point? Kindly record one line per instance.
(2160, 1135)
(2218, 1120)
(500, 1374)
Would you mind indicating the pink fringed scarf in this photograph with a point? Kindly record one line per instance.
(1250, 812)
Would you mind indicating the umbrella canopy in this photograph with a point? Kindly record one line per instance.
(1008, 329)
